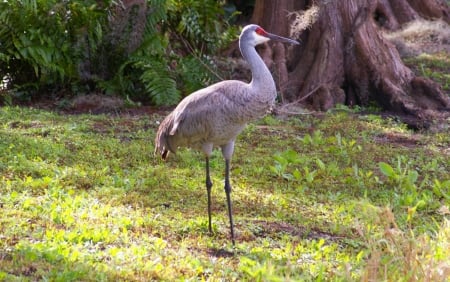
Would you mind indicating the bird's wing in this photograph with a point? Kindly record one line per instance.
(197, 109)
(193, 111)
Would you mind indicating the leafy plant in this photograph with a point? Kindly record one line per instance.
(158, 83)
(155, 71)
(199, 25)
(73, 47)
(83, 199)
(315, 140)
(406, 180)
(284, 162)
(291, 166)
(43, 42)
(442, 189)
(195, 72)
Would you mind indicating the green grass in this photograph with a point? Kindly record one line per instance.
(433, 66)
(341, 197)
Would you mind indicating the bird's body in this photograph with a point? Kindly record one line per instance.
(214, 116)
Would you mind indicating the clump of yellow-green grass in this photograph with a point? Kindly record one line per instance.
(425, 48)
(339, 197)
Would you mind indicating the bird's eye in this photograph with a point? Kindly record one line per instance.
(260, 31)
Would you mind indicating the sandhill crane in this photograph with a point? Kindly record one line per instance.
(214, 116)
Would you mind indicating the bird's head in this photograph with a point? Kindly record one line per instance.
(254, 35)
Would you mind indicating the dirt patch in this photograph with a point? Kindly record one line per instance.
(409, 141)
(274, 229)
(26, 125)
(103, 104)
(123, 129)
(220, 253)
(95, 103)
(105, 126)
(147, 110)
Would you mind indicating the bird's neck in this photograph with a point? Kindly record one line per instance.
(261, 77)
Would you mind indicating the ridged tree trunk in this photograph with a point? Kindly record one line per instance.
(344, 58)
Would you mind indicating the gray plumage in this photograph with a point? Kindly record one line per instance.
(214, 116)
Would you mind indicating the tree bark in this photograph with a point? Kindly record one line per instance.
(431, 9)
(391, 14)
(345, 59)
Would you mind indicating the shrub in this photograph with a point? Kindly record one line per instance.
(43, 42)
(118, 48)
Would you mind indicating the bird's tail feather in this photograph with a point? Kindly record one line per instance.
(162, 140)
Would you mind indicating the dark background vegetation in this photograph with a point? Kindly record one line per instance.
(153, 51)
(156, 52)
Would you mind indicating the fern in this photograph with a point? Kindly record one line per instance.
(158, 13)
(85, 46)
(158, 83)
(41, 38)
(199, 22)
(194, 73)
(155, 83)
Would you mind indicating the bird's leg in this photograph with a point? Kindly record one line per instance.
(208, 190)
(228, 192)
(227, 152)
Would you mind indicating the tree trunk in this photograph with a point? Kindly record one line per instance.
(431, 9)
(344, 58)
(391, 14)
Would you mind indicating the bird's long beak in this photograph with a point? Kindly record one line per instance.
(281, 38)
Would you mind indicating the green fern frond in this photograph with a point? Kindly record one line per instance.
(194, 73)
(162, 89)
(89, 46)
(160, 86)
(157, 13)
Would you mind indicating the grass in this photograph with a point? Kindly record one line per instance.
(423, 46)
(338, 197)
(433, 66)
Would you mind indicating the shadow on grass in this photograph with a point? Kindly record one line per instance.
(33, 264)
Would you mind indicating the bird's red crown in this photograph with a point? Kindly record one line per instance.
(261, 31)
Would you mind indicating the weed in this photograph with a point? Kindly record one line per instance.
(82, 199)
(433, 66)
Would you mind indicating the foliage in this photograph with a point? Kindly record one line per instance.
(158, 83)
(433, 66)
(317, 198)
(198, 25)
(157, 69)
(84, 46)
(145, 73)
(43, 42)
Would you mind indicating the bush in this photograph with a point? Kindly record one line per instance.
(43, 42)
(74, 47)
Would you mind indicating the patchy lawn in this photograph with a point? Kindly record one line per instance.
(425, 47)
(340, 196)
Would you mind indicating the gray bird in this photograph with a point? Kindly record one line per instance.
(215, 115)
